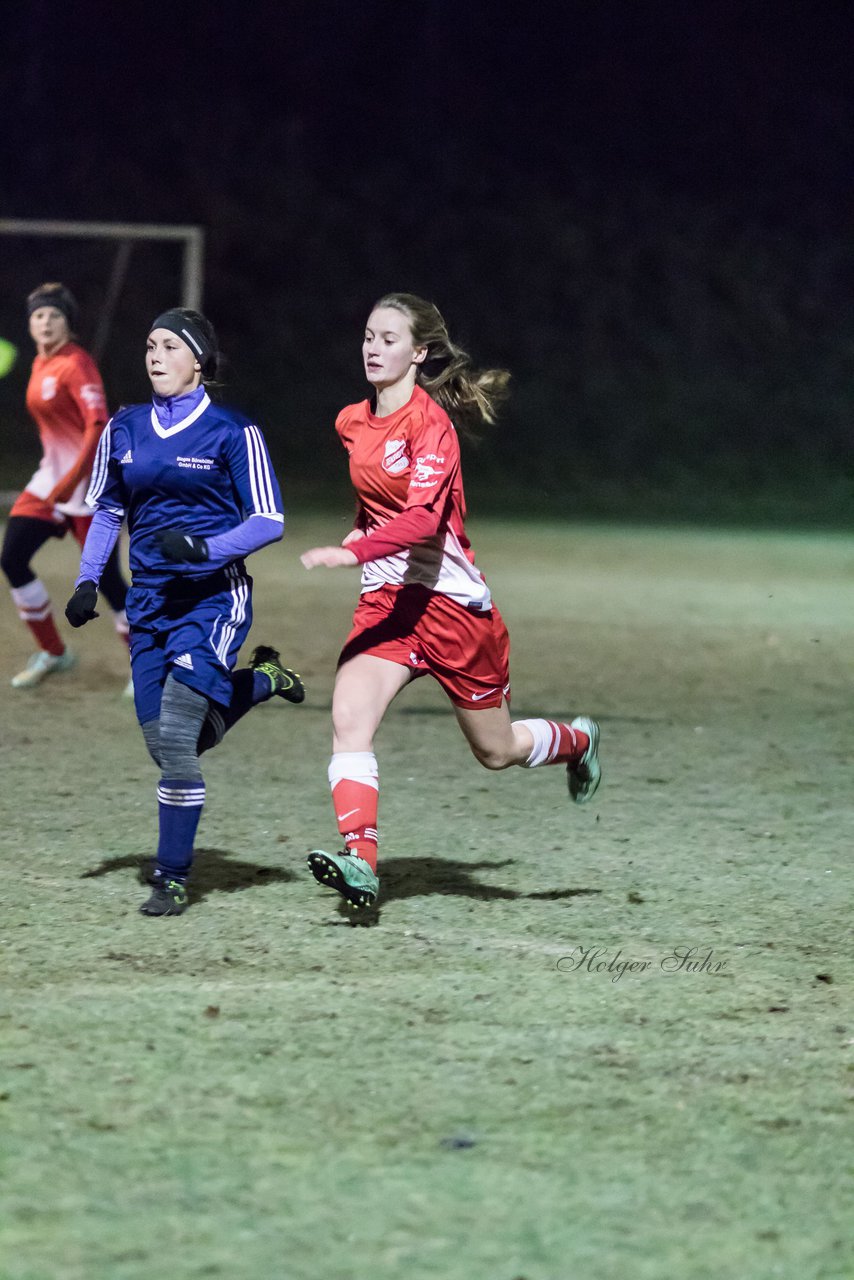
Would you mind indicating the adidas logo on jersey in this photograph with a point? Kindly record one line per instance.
(126, 459)
(184, 661)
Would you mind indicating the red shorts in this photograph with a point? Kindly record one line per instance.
(430, 634)
(27, 504)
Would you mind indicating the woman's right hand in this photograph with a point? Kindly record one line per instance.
(328, 557)
(353, 536)
(81, 607)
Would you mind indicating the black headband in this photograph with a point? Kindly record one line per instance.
(61, 299)
(190, 334)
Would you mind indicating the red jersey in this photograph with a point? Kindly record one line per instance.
(405, 469)
(65, 396)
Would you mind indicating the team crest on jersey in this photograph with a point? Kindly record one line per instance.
(394, 458)
(48, 387)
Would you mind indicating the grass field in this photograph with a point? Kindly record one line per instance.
(464, 1090)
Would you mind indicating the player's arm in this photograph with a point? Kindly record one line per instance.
(100, 540)
(413, 525)
(106, 496)
(87, 390)
(255, 482)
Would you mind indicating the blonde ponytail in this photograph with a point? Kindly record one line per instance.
(470, 397)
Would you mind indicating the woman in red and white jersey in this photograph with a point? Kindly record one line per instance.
(425, 608)
(65, 397)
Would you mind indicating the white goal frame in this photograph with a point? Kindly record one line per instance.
(192, 238)
(124, 234)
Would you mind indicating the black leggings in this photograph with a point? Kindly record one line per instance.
(26, 534)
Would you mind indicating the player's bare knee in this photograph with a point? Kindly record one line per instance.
(491, 757)
(348, 724)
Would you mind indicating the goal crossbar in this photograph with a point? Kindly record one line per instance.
(193, 238)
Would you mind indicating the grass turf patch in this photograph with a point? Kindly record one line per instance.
(471, 1087)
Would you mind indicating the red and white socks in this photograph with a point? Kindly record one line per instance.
(354, 779)
(34, 608)
(554, 743)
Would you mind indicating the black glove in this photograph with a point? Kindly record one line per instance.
(81, 607)
(178, 546)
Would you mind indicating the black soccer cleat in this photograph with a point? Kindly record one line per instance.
(286, 683)
(168, 898)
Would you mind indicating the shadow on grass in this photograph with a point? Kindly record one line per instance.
(416, 877)
(419, 877)
(218, 871)
(214, 871)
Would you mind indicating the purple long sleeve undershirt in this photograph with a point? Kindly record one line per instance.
(256, 532)
(100, 540)
(253, 534)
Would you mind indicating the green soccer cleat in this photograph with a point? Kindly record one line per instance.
(286, 683)
(348, 873)
(168, 898)
(584, 776)
(40, 666)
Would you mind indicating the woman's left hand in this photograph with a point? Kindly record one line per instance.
(328, 557)
(175, 545)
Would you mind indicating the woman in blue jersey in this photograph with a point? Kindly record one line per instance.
(195, 482)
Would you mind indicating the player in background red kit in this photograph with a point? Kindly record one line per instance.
(425, 608)
(65, 397)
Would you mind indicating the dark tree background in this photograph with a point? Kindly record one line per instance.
(642, 209)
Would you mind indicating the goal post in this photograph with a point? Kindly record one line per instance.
(191, 237)
(86, 243)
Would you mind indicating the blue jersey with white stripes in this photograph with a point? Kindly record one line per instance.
(203, 475)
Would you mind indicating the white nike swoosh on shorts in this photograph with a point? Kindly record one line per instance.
(477, 697)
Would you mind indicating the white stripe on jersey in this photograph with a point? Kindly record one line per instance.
(274, 515)
(252, 458)
(100, 466)
(259, 473)
(239, 597)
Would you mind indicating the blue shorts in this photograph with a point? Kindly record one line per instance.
(193, 627)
